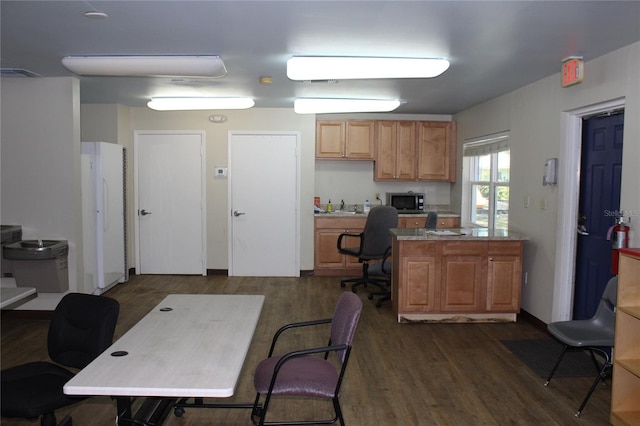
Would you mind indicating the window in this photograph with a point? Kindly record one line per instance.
(486, 171)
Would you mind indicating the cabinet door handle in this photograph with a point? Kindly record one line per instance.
(491, 259)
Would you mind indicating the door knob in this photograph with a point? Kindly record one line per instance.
(143, 212)
(236, 213)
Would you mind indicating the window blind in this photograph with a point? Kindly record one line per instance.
(484, 145)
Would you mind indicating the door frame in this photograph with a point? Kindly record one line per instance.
(203, 191)
(568, 196)
(230, 222)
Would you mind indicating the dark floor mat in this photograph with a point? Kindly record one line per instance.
(541, 354)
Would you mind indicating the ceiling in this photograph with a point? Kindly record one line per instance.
(493, 46)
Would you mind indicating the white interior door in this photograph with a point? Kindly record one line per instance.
(170, 194)
(264, 221)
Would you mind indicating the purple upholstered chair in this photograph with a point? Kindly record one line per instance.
(305, 373)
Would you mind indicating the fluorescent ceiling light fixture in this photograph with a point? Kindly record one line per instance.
(344, 68)
(326, 106)
(145, 66)
(181, 104)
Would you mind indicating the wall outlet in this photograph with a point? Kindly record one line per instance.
(377, 195)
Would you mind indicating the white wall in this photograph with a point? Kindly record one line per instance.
(40, 166)
(267, 119)
(533, 114)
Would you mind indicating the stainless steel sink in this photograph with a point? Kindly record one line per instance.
(36, 249)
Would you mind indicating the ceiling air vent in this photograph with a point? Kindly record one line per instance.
(17, 72)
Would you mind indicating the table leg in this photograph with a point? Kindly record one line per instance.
(153, 411)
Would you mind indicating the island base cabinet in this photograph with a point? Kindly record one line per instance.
(462, 276)
(456, 281)
(419, 271)
(504, 271)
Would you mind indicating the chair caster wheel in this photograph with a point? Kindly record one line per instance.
(178, 411)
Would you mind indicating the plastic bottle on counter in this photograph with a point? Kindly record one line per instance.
(367, 206)
(329, 207)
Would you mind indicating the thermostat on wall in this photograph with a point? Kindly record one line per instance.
(220, 171)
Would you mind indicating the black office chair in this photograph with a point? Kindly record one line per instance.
(382, 269)
(432, 220)
(373, 243)
(593, 335)
(81, 328)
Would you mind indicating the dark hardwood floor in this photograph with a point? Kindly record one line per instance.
(399, 374)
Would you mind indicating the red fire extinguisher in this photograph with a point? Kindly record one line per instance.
(619, 236)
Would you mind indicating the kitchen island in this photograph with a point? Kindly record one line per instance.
(456, 275)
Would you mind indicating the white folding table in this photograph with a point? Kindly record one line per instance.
(189, 346)
(10, 297)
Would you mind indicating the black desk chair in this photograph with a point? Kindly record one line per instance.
(595, 334)
(373, 243)
(384, 268)
(81, 328)
(432, 220)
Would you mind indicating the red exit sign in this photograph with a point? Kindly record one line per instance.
(572, 71)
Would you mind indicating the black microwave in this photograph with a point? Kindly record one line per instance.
(406, 202)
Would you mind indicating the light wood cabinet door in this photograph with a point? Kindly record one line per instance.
(436, 151)
(359, 139)
(406, 150)
(327, 260)
(326, 252)
(420, 277)
(330, 139)
(395, 150)
(386, 148)
(504, 276)
(463, 276)
(345, 139)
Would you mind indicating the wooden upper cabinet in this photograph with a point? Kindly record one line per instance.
(359, 139)
(415, 151)
(345, 139)
(437, 151)
(395, 149)
(330, 139)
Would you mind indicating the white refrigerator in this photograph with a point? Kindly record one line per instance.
(103, 216)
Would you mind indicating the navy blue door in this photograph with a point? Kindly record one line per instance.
(600, 177)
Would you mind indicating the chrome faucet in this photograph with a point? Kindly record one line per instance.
(341, 205)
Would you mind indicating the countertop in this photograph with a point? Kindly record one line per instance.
(457, 234)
